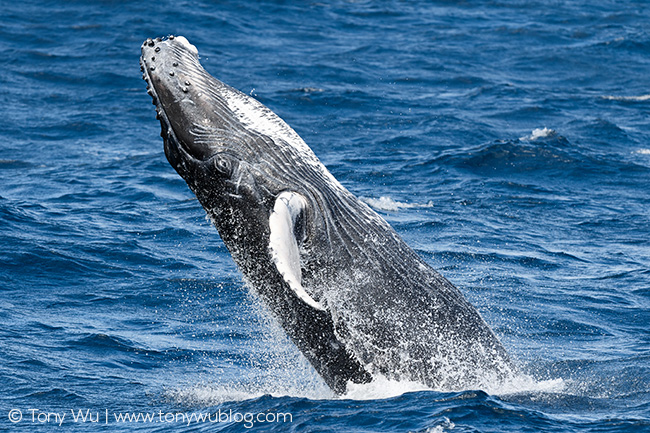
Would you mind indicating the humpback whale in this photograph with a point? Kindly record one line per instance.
(355, 299)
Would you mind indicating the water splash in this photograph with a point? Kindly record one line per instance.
(382, 387)
(205, 394)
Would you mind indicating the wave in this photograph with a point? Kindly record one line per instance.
(640, 98)
(542, 151)
(384, 203)
(539, 133)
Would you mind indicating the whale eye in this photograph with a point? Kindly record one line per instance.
(223, 165)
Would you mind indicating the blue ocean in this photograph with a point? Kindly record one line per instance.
(507, 142)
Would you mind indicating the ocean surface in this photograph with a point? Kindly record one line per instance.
(508, 142)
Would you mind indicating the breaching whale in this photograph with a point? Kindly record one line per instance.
(354, 298)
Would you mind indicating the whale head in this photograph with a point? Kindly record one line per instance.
(235, 154)
(213, 132)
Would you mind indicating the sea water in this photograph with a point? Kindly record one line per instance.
(508, 142)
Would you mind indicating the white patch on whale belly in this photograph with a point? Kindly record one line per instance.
(284, 245)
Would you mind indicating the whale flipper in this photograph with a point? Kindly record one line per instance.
(283, 242)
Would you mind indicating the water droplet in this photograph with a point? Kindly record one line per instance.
(153, 68)
(153, 59)
(171, 73)
(157, 49)
(151, 43)
(185, 89)
(171, 37)
(187, 83)
(175, 64)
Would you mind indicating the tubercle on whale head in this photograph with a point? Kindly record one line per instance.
(198, 127)
(211, 129)
(169, 67)
(202, 139)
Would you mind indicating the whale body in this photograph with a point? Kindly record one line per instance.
(349, 292)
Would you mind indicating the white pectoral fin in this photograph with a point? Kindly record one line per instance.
(284, 245)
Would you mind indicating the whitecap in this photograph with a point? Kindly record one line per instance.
(309, 90)
(447, 425)
(384, 203)
(628, 98)
(539, 133)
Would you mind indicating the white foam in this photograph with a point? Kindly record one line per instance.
(628, 98)
(524, 383)
(441, 428)
(539, 133)
(388, 204)
(643, 151)
(381, 388)
(310, 90)
(212, 394)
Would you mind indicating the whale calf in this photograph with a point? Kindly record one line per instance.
(356, 300)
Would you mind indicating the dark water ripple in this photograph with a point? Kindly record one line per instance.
(509, 139)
